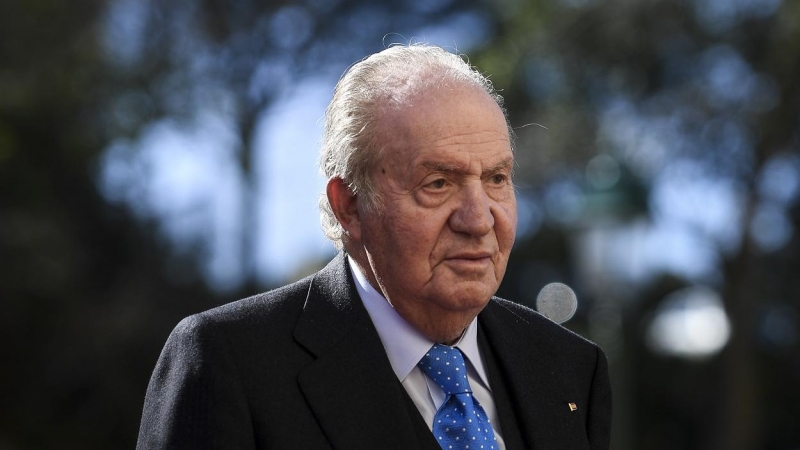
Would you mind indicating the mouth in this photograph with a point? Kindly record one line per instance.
(470, 260)
(471, 255)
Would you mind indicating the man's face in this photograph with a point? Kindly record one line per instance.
(439, 245)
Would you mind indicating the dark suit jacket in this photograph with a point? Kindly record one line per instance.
(302, 367)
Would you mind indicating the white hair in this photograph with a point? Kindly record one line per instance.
(351, 144)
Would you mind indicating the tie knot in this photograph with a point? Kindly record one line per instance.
(445, 365)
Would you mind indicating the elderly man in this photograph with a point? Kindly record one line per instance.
(398, 343)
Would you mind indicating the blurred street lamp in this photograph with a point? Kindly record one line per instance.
(690, 323)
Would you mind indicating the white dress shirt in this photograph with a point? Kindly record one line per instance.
(405, 346)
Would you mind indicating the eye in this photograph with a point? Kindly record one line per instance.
(498, 178)
(438, 184)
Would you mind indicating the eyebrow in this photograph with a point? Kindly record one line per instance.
(506, 164)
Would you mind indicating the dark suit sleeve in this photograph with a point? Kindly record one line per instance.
(195, 398)
(598, 425)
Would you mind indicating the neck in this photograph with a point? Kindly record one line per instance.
(441, 327)
(438, 325)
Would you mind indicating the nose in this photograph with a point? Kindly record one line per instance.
(473, 213)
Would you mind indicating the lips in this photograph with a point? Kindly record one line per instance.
(470, 265)
(470, 261)
(471, 255)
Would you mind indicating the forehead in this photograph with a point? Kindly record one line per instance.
(456, 125)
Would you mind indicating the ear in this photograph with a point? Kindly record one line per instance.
(345, 207)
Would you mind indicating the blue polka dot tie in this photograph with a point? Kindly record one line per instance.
(460, 423)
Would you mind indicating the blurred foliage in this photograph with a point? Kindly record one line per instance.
(88, 296)
(698, 90)
(722, 77)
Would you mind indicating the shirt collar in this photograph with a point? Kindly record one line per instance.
(404, 345)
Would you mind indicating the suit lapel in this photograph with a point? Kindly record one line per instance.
(504, 403)
(534, 384)
(350, 387)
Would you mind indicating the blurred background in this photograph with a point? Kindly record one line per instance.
(158, 159)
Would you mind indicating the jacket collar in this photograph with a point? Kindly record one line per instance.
(535, 380)
(351, 387)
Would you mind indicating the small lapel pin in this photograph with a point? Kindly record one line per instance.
(572, 406)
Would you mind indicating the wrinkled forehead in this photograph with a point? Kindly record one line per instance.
(446, 120)
(419, 95)
(438, 110)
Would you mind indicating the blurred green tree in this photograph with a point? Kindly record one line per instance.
(650, 111)
(703, 95)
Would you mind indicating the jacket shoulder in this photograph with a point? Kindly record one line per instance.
(270, 312)
(535, 325)
(275, 301)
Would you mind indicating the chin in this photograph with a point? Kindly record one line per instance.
(471, 295)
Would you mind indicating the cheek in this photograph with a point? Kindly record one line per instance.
(404, 237)
(418, 225)
(506, 225)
